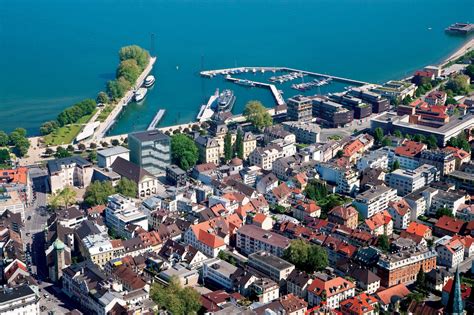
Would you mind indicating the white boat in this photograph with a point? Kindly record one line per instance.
(140, 94)
(149, 81)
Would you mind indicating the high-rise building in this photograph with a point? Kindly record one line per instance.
(299, 108)
(150, 150)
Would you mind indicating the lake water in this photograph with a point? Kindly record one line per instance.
(55, 52)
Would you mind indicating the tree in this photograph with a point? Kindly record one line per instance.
(115, 142)
(140, 55)
(420, 282)
(280, 209)
(4, 156)
(70, 148)
(459, 84)
(432, 142)
(48, 151)
(398, 134)
(102, 98)
(3, 139)
(444, 212)
(228, 150)
(62, 153)
(339, 154)
(81, 146)
(470, 71)
(92, 156)
(18, 139)
(316, 190)
(48, 127)
(127, 187)
(184, 151)
(118, 87)
(97, 193)
(257, 114)
(129, 69)
(395, 165)
(67, 196)
(407, 100)
(378, 135)
(239, 144)
(54, 201)
(386, 142)
(306, 256)
(383, 242)
(175, 299)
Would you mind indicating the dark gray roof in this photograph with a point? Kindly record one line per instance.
(364, 275)
(129, 170)
(176, 169)
(152, 135)
(113, 151)
(55, 165)
(87, 228)
(10, 294)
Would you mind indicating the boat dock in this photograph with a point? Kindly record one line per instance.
(276, 94)
(156, 119)
(206, 112)
(230, 71)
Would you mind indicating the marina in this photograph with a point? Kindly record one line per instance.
(276, 93)
(309, 85)
(156, 120)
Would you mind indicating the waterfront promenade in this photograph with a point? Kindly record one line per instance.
(464, 49)
(111, 119)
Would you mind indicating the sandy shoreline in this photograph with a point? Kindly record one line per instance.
(465, 48)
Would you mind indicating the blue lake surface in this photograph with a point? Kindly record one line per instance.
(55, 52)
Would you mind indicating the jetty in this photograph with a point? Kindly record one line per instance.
(276, 93)
(206, 111)
(156, 119)
(230, 71)
(112, 118)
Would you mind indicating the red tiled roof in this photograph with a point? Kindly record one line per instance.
(343, 212)
(386, 295)
(450, 224)
(17, 175)
(410, 148)
(400, 206)
(417, 229)
(360, 304)
(379, 219)
(353, 148)
(210, 240)
(259, 218)
(465, 290)
(331, 287)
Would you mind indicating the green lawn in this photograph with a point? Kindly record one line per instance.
(85, 119)
(63, 135)
(105, 113)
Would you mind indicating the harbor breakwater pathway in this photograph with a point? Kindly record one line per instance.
(64, 52)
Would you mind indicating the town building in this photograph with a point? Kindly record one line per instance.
(396, 90)
(251, 239)
(366, 280)
(408, 181)
(175, 175)
(106, 157)
(443, 160)
(331, 113)
(264, 157)
(401, 213)
(402, 266)
(305, 132)
(298, 282)
(270, 265)
(448, 226)
(19, 300)
(379, 104)
(219, 272)
(450, 251)
(332, 290)
(97, 248)
(209, 149)
(121, 212)
(362, 304)
(373, 159)
(436, 98)
(343, 177)
(347, 216)
(151, 150)
(299, 108)
(374, 200)
(147, 183)
(10, 201)
(71, 171)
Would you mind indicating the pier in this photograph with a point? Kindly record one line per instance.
(156, 119)
(276, 94)
(230, 71)
(101, 131)
(206, 112)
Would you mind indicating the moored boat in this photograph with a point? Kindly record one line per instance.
(140, 94)
(149, 81)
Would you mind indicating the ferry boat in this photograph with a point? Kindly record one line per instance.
(140, 94)
(225, 101)
(149, 81)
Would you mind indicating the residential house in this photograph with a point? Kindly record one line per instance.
(147, 183)
(378, 224)
(347, 216)
(374, 200)
(400, 212)
(332, 290)
(72, 171)
(251, 239)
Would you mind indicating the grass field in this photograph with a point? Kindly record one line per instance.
(63, 135)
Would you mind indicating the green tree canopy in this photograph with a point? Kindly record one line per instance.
(395, 165)
(398, 134)
(383, 242)
(48, 127)
(239, 144)
(68, 196)
(3, 139)
(306, 256)
(62, 153)
(97, 193)
(444, 212)
(257, 114)
(102, 98)
(378, 135)
(184, 151)
(129, 69)
(386, 142)
(127, 187)
(4, 156)
(140, 55)
(118, 87)
(175, 299)
(459, 84)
